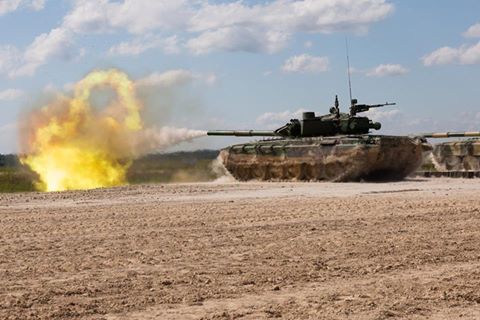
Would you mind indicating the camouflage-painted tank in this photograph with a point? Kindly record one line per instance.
(459, 155)
(332, 147)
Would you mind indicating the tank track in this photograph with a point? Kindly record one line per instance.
(449, 174)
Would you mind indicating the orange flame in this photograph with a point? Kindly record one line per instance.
(70, 145)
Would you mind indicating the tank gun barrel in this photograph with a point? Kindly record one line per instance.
(242, 133)
(451, 134)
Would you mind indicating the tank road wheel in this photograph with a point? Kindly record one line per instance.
(259, 172)
(471, 163)
(276, 171)
(313, 171)
(295, 171)
(453, 163)
(242, 173)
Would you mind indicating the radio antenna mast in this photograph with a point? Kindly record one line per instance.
(348, 72)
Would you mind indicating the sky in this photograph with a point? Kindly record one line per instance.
(206, 64)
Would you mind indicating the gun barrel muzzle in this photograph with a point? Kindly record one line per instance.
(242, 133)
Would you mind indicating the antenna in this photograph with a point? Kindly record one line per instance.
(348, 71)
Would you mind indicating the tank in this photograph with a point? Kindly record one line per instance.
(333, 147)
(457, 155)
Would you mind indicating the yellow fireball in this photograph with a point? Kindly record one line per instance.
(70, 145)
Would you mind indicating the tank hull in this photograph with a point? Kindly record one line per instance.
(457, 155)
(337, 158)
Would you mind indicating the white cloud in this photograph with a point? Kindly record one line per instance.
(140, 16)
(470, 55)
(136, 16)
(385, 70)
(447, 55)
(207, 25)
(444, 55)
(306, 64)
(473, 31)
(88, 16)
(56, 43)
(170, 45)
(9, 58)
(293, 16)
(10, 94)
(233, 26)
(308, 44)
(38, 4)
(142, 44)
(171, 78)
(238, 39)
(175, 78)
(382, 115)
(268, 27)
(276, 119)
(7, 6)
(465, 54)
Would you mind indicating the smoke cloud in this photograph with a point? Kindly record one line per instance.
(89, 139)
(155, 139)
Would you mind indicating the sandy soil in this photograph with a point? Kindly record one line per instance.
(408, 250)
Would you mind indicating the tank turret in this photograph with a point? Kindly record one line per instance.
(311, 125)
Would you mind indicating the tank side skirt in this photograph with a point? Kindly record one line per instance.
(340, 162)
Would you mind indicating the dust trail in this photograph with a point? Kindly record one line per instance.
(222, 174)
(437, 165)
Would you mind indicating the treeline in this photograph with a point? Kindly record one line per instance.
(183, 166)
(184, 157)
(9, 160)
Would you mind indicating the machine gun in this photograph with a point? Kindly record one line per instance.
(357, 108)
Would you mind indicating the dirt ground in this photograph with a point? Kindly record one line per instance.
(408, 250)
